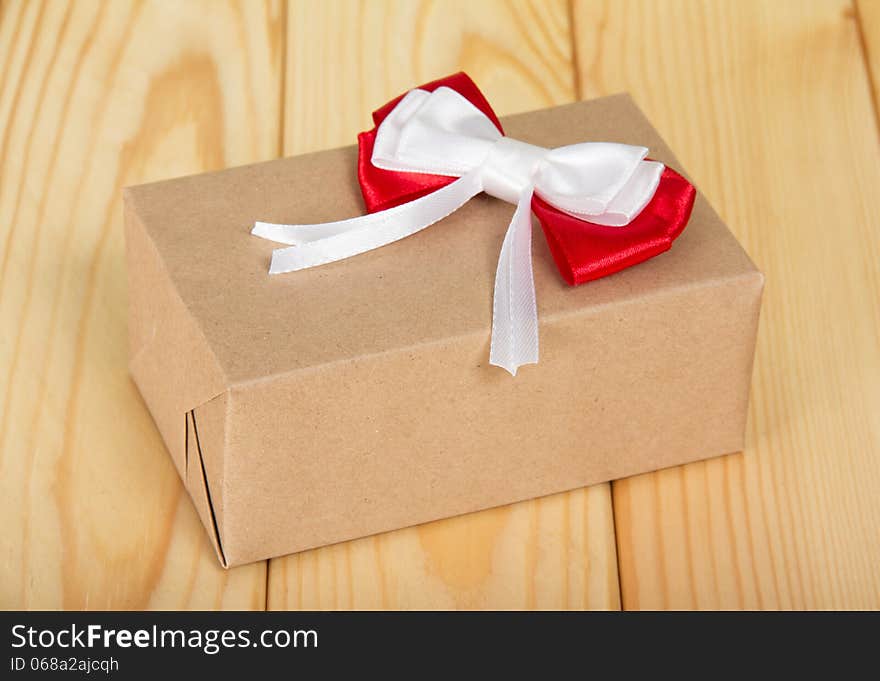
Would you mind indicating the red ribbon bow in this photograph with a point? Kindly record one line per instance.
(583, 251)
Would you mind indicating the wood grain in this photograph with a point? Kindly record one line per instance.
(556, 552)
(95, 96)
(868, 16)
(769, 107)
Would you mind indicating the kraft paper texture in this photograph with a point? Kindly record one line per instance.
(355, 398)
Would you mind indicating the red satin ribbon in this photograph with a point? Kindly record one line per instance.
(583, 251)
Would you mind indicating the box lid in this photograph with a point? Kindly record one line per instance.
(432, 286)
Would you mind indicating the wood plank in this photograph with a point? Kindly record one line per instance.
(95, 96)
(556, 552)
(868, 16)
(768, 107)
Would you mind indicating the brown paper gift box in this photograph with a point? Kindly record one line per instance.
(354, 398)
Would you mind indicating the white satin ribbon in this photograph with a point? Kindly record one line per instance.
(442, 133)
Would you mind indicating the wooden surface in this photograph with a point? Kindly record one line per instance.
(868, 24)
(768, 105)
(94, 97)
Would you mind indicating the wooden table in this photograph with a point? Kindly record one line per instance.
(767, 103)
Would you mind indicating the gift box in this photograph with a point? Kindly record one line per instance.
(356, 397)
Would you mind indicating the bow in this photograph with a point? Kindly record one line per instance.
(446, 145)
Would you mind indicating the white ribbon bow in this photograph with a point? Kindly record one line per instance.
(442, 133)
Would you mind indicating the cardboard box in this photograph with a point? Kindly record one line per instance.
(354, 398)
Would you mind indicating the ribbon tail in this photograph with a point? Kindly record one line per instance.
(320, 244)
(514, 310)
